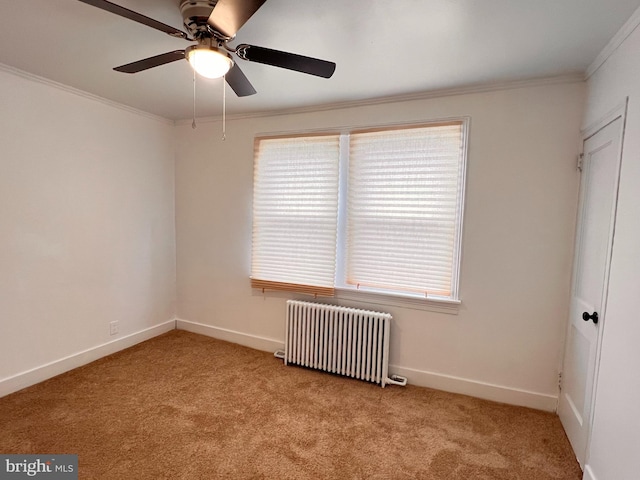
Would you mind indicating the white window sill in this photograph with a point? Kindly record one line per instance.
(416, 303)
(360, 299)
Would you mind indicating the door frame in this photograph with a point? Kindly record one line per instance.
(619, 112)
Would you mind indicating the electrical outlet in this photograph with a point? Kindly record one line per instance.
(113, 328)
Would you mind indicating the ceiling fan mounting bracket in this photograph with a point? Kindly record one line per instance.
(179, 35)
(241, 51)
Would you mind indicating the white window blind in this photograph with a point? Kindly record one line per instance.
(404, 206)
(295, 213)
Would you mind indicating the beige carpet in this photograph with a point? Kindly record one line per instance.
(185, 406)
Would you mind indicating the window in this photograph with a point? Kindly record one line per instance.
(376, 210)
(295, 205)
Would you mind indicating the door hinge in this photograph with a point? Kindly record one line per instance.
(579, 163)
(560, 381)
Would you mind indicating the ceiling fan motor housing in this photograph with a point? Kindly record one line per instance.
(195, 14)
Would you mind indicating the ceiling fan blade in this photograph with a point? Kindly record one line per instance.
(229, 15)
(151, 62)
(290, 61)
(239, 83)
(136, 17)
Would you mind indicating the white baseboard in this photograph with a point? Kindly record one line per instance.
(474, 388)
(248, 340)
(420, 378)
(49, 370)
(588, 473)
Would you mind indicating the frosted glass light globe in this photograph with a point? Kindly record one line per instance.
(208, 61)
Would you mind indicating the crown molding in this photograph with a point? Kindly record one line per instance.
(438, 93)
(577, 77)
(81, 93)
(621, 35)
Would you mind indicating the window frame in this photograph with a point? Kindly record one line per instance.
(375, 296)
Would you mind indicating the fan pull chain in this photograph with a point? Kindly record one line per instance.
(224, 108)
(193, 123)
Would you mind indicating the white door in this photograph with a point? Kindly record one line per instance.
(594, 236)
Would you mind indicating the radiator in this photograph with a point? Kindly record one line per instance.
(341, 340)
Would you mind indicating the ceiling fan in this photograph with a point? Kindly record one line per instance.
(212, 24)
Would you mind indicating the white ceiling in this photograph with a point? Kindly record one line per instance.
(381, 47)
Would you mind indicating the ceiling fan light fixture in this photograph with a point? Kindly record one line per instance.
(208, 61)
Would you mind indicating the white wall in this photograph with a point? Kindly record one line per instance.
(87, 235)
(506, 341)
(87, 231)
(615, 444)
